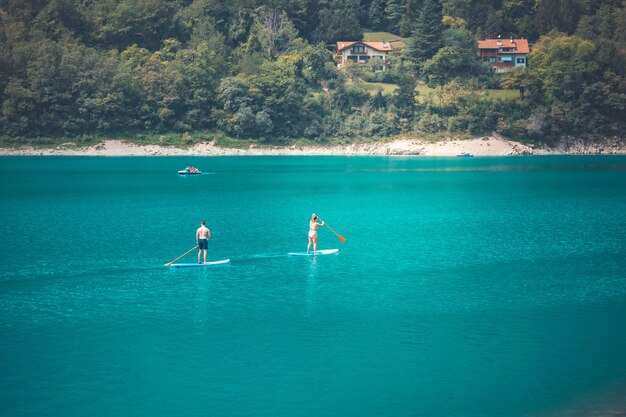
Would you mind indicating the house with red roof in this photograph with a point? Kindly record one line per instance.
(365, 53)
(504, 54)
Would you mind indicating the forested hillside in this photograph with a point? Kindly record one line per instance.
(265, 68)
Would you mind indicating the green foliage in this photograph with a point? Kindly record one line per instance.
(376, 15)
(338, 20)
(317, 62)
(579, 89)
(378, 101)
(274, 31)
(385, 89)
(410, 13)
(447, 64)
(256, 70)
(393, 14)
(142, 22)
(427, 36)
(515, 79)
(559, 15)
(455, 61)
(403, 99)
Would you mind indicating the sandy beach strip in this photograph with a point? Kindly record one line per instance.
(493, 145)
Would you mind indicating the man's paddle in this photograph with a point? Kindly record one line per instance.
(169, 263)
(341, 238)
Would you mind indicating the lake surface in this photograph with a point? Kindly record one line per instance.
(466, 287)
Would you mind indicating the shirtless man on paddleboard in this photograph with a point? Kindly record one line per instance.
(313, 225)
(203, 234)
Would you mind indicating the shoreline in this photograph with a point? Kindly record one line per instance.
(493, 145)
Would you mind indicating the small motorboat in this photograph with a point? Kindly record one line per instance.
(190, 171)
(464, 155)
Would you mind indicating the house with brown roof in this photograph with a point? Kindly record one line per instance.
(365, 53)
(504, 54)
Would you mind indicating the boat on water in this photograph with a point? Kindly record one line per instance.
(189, 171)
(464, 155)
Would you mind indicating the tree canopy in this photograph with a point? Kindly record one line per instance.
(265, 68)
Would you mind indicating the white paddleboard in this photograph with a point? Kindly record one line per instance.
(222, 262)
(319, 252)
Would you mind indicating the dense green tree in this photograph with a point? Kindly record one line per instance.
(298, 11)
(282, 88)
(201, 69)
(427, 37)
(378, 101)
(515, 80)
(498, 24)
(70, 67)
(452, 63)
(60, 18)
(142, 22)
(393, 14)
(410, 12)
(376, 15)
(274, 31)
(317, 63)
(403, 99)
(239, 106)
(339, 21)
(561, 15)
(18, 107)
(457, 8)
(579, 90)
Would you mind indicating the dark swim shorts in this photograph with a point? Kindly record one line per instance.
(203, 243)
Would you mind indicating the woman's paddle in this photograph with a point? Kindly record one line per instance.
(343, 239)
(169, 263)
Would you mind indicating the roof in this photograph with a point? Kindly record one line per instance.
(379, 46)
(520, 45)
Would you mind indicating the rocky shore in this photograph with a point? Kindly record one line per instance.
(493, 145)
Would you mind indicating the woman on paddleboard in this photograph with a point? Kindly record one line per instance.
(313, 225)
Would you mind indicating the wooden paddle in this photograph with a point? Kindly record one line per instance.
(341, 238)
(169, 263)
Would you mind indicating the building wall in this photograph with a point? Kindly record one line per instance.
(503, 61)
(370, 53)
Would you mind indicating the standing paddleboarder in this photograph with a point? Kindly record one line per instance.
(313, 225)
(203, 234)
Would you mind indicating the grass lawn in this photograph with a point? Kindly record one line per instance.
(373, 88)
(504, 94)
(397, 43)
(424, 91)
(380, 36)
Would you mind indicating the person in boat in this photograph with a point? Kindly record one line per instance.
(203, 234)
(313, 225)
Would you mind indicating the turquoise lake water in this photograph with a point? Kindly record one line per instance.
(466, 287)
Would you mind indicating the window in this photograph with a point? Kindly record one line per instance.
(521, 60)
(492, 59)
(358, 49)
